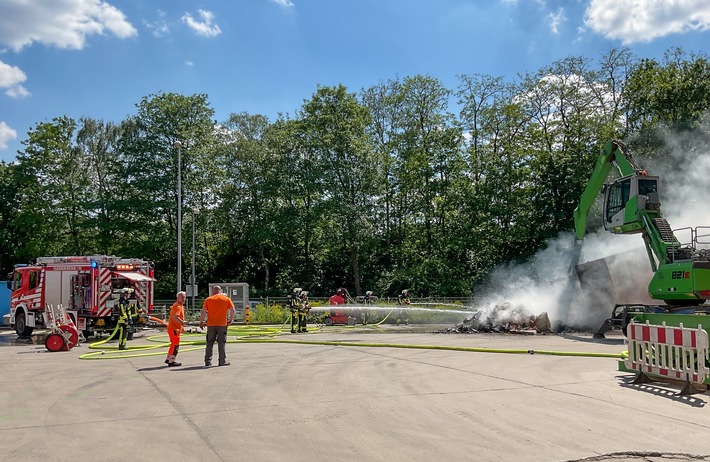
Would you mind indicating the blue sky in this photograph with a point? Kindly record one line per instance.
(91, 58)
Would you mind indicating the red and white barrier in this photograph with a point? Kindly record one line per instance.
(676, 353)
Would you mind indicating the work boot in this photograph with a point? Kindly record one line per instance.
(226, 363)
(174, 364)
(208, 364)
(122, 347)
(293, 331)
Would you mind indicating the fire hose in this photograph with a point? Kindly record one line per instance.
(246, 334)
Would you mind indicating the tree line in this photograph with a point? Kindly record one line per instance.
(406, 184)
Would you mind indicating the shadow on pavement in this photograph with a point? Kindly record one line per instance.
(603, 341)
(662, 389)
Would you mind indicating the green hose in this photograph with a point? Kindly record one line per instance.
(438, 347)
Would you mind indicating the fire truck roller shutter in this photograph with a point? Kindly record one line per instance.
(136, 277)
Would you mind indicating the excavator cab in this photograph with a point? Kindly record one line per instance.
(624, 198)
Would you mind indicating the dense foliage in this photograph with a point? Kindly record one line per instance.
(379, 190)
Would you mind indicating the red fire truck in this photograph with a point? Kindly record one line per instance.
(88, 287)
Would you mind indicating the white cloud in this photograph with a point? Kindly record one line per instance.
(6, 134)
(283, 3)
(11, 78)
(18, 92)
(158, 28)
(556, 20)
(634, 21)
(10, 75)
(204, 27)
(62, 23)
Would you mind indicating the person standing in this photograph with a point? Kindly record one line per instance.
(218, 311)
(132, 312)
(304, 309)
(403, 314)
(175, 325)
(294, 304)
(123, 320)
(368, 300)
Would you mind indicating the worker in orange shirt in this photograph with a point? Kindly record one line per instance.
(175, 325)
(218, 311)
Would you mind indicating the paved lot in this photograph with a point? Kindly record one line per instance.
(293, 402)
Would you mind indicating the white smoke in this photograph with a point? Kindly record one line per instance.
(621, 261)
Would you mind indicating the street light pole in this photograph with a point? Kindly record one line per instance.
(194, 283)
(178, 145)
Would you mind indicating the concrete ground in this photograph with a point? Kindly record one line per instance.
(294, 402)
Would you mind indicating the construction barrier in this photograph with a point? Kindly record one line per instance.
(675, 353)
(246, 315)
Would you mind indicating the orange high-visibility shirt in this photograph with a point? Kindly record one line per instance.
(217, 307)
(179, 310)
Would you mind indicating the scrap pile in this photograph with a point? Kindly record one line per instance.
(503, 318)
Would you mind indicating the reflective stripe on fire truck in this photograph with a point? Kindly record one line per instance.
(104, 289)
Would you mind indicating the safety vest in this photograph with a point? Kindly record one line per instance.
(133, 308)
(123, 311)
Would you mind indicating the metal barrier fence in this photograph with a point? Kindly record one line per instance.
(674, 353)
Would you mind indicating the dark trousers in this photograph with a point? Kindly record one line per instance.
(294, 321)
(218, 333)
(302, 322)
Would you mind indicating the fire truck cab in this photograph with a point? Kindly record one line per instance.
(87, 286)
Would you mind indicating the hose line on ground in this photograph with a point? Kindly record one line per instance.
(246, 334)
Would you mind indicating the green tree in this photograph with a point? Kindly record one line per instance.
(669, 95)
(334, 125)
(151, 156)
(52, 180)
(250, 200)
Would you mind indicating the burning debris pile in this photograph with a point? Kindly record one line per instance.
(503, 318)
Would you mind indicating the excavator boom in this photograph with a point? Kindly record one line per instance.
(632, 206)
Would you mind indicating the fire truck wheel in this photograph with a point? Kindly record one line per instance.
(328, 321)
(21, 326)
(73, 335)
(55, 342)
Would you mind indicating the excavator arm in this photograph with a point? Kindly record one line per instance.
(613, 155)
(632, 206)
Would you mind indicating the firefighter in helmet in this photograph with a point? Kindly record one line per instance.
(403, 314)
(368, 300)
(294, 303)
(124, 317)
(303, 309)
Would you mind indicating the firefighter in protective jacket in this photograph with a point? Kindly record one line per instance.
(132, 312)
(124, 317)
(403, 314)
(294, 303)
(368, 300)
(304, 308)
